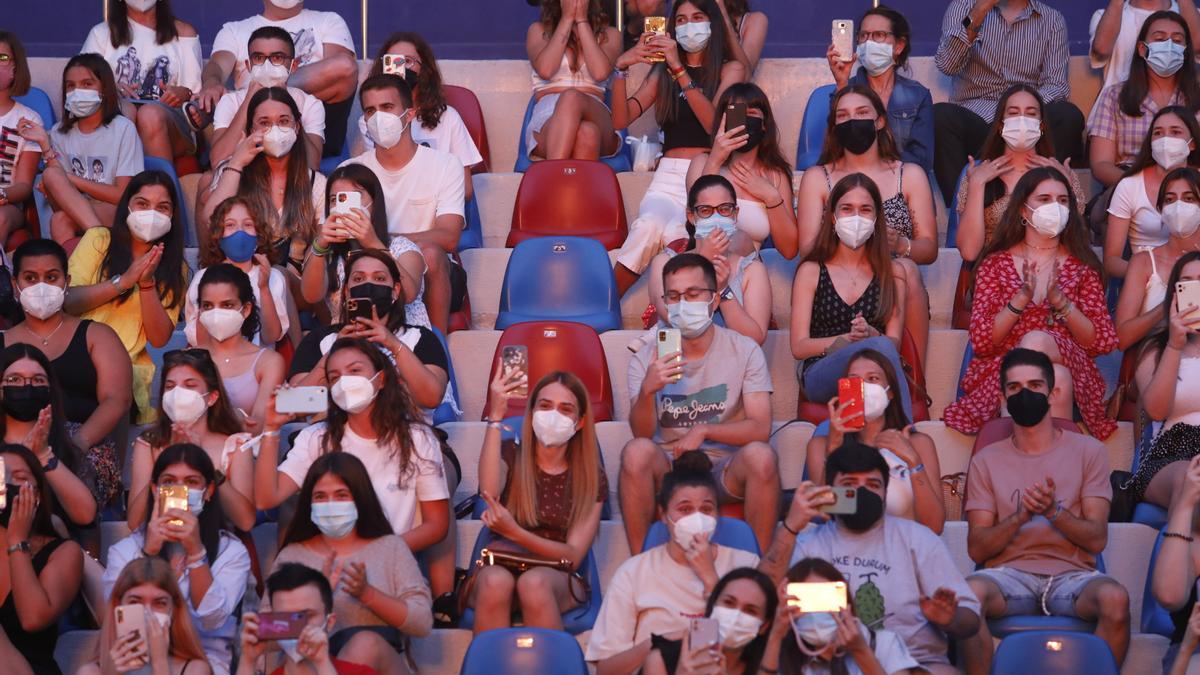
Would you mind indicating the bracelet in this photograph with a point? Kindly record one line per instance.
(1057, 513)
(1065, 311)
(764, 669)
(1176, 535)
(145, 287)
(320, 251)
(233, 169)
(676, 74)
(1014, 310)
(775, 206)
(270, 434)
(795, 533)
(917, 469)
(494, 424)
(619, 74)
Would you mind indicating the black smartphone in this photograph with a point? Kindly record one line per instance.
(735, 115)
(358, 308)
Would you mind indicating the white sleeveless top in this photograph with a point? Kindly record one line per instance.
(1187, 394)
(565, 78)
(900, 500)
(753, 221)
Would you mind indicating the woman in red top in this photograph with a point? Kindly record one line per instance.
(1038, 286)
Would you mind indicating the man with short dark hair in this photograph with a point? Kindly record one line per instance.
(713, 395)
(1037, 512)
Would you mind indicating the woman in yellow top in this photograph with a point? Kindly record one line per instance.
(131, 276)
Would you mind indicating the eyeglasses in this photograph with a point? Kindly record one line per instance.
(690, 294)
(276, 58)
(20, 380)
(875, 35)
(705, 211)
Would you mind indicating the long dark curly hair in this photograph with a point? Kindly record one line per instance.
(431, 102)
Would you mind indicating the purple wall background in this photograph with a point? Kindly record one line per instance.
(798, 27)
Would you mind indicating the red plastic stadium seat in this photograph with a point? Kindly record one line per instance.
(464, 101)
(572, 197)
(31, 230)
(560, 345)
(815, 412)
(460, 320)
(960, 318)
(1002, 427)
(187, 164)
(1129, 404)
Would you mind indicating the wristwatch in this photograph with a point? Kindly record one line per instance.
(966, 23)
(19, 546)
(116, 281)
(727, 294)
(51, 465)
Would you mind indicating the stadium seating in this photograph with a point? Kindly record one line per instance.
(559, 278)
(1155, 618)
(620, 161)
(466, 104)
(1054, 653)
(1001, 428)
(40, 102)
(446, 411)
(731, 532)
(472, 234)
(560, 345)
(524, 650)
(812, 128)
(569, 197)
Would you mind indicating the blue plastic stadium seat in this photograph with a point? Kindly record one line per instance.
(812, 129)
(328, 164)
(621, 161)
(575, 620)
(160, 164)
(731, 532)
(40, 102)
(1054, 653)
(523, 650)
(560, 278)
(445, 412)
(1150, 515)
(1011, 625)
(1155, 618)
(952, 212)
(177, 341)
(472, 234)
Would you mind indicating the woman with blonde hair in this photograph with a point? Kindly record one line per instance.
(169, 643)
(551, 500)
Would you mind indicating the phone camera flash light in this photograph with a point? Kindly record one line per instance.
(1054, 646)
(525, 642)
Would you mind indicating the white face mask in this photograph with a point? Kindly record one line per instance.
(353, 393)
(737, 627)
(83, 102)
(278, 141)
(1181, 218)
(42, 300)
(142, 6)
(268, 74)
(286, 4)
(1049, 219)
(291, 647)
(196, 501)
(334, 519)
(553, 428)
(183, 405)
(1170, 152)
(164, 619)
(875, 57)
(854, 231)
(875, 401)
(814, 631)
(1021, 132)
(148, 225)
(386, 129)
(694, 523)
(691, 318)
(222, 323)
(693, 36)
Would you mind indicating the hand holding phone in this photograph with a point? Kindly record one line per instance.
(845, 502)
(344, 202)
(515, 358)
(302, 400)
(280, 625)
(1187, 294)
(823, 596)
(843, 39)
(735, 115)
(670, 341)
(851, 405)
(704, 632)
(359, 308)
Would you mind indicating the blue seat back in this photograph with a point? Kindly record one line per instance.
(523, 650)
(1053, 653)
(560, 278)
(472, 234)
(621, 160)
(731, 532)
(812, 128)
(952, 212)
(40, 102)
(445, 412)
(177, 341)
(1155, 618)
(189, 229)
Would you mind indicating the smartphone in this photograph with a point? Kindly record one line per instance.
(846, 503)
(343, 202)
(658, 26)
(704, 632)
(173, 497)
(670, 341)
(843, 39)
(280, 625)
(393, 64)
(130, 619)
(1187, 294)
(302, 400)
(516, 357)
(358, 308)
(823, 596)
(735, 115)
(850, 401)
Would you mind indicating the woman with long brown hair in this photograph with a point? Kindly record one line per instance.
(170, 643)
(549, 504)
(745, 32)
(1038, 285)
(848, 294)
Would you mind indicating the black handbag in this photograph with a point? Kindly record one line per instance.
(1123, 501)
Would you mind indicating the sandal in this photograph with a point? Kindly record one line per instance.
(197, 118)
(445, 611)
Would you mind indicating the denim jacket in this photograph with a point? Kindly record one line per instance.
(910, 118)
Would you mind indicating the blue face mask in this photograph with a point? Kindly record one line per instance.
(239, 246)
(291, 647)
(196, 502)
(334, 519)
(706, 226)
(1164, 57)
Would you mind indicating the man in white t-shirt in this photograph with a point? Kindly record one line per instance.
(272, 58)
(324, 48)
(1115, 28)
(423, 188)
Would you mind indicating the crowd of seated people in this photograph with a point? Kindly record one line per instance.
(292, 375)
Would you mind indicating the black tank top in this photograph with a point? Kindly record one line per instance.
(37, 647)
(76, 375)
(685, 131)
(832, 316)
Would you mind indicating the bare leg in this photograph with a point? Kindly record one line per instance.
(332, 80)
(626, 278)
(437, 286)
(492, 598)
(1107, 602)
(70, 201)
(643, 465)
(160, 137)
(756, 466)
(369, 649)
(11, 218)
(587, 142)
(976, 651)
(544, 596)
(1165, 484)
(558, 135)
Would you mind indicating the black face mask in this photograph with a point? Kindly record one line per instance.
(754, 134)
(6, 512)
(24, 402)
(380, 295)
(856, 136)
(1028, 407)
(410, 78)
(869, 511)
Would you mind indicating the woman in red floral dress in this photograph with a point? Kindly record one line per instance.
(1038, 286)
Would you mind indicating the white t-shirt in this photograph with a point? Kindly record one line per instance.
(651, 594)
(276, 283)
(1116, 67)
(450, 135)
(111, 151)
(312, 111)
(143, 63)
(1129, 200)
(423, 481)
(11, 142)
(889, 650)
(430, 185)
(310, 30)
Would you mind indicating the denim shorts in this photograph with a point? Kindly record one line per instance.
(1027, 594)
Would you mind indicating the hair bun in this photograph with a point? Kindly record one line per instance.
(692, 461)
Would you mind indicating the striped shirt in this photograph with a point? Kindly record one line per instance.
(1031, 50)
(1108, 121)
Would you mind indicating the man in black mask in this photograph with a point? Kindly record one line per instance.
(902, 574)
(1037, 511)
